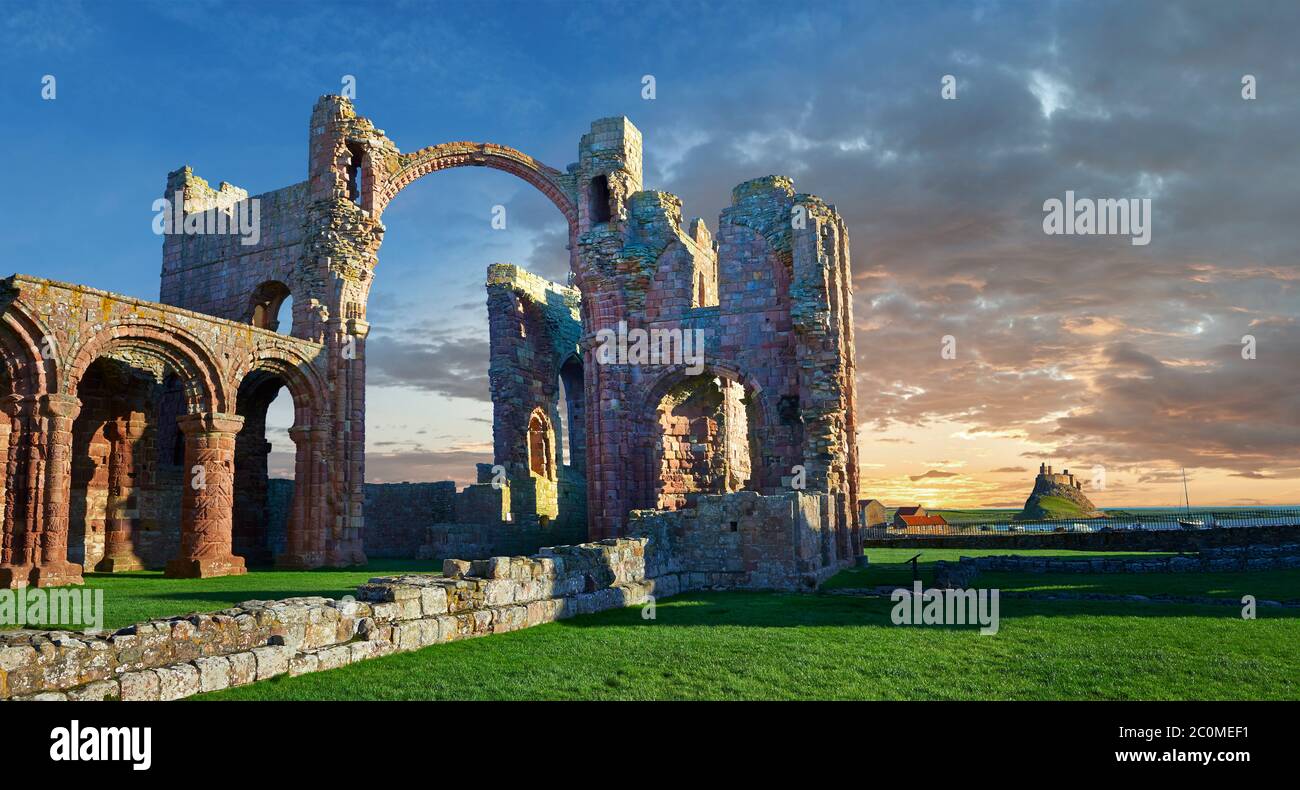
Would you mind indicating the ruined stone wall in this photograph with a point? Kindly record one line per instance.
(781, 328)
(534, 329)
(217, 274)
(180, 656)
(742, 541)
(100, 388)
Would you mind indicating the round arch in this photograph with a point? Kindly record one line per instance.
(182, 350)
(412, 166)
(300, 377)
(645, 418)
(28, 370)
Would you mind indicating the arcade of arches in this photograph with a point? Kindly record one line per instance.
(134, 432)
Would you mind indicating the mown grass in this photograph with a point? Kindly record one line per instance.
(889, 566)
(737, 646)
(144, 595)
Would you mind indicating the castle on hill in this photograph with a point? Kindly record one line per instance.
(1047, 478)
(1057, 496)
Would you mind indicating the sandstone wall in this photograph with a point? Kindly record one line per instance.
(743, 541)
(176, 657)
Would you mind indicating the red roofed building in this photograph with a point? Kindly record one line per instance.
(915, 516)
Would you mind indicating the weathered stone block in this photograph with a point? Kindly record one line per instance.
(214, 673)
(243, 668)
(272, 661)
(140, 686)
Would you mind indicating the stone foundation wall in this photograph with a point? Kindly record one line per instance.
(744, 540)
(179, 656)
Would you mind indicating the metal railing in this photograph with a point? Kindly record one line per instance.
(1126, 522)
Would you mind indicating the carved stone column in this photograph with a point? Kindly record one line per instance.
(16, 560)
(122, 508)
(53, 569)
(208, 498)
(5, 526)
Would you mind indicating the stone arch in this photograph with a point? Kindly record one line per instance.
(27, 369)
(416, 164)
(264, 304)
(185, 352)
(645, 418)
(408, 168)
(255, 384)
(541, 444)
(300, 376)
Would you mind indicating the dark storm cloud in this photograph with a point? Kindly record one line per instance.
(1103, 349)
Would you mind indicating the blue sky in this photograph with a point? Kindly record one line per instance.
(1083, 351)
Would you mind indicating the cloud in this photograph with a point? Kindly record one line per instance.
(455, 368)
(933, 473)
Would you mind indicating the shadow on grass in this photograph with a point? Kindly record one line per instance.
(798, 610)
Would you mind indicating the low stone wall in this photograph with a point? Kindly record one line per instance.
(1119, 540)
(743, 541)
(1228, 558)
(179, 656)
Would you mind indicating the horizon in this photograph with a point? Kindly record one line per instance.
(1084, 351)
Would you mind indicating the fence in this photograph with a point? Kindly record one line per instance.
(1127, 522)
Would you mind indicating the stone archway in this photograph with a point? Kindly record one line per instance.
(309, 540)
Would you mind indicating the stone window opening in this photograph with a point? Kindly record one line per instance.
(600, 200)
(356, 153)
(539, 445)
(272, 307)
(705, 443)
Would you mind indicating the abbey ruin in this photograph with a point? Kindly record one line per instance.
(134, 431)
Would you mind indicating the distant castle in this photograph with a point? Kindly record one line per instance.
(1046, 477)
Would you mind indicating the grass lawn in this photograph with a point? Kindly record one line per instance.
(144, 595)
(890, 566)
(726, 646)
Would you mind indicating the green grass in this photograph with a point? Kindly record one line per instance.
(730, 646)
(145, 595)
(889, 566)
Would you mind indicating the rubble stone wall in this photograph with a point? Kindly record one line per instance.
(743, 541)
(177, 657)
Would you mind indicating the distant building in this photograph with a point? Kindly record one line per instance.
(871, 514)
(915, 516)
(1064, 478)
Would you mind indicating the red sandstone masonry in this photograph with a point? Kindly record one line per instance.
(771, 296)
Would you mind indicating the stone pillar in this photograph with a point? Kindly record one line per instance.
(304, 517)
(53, 569)
(121, 511)
(344, 538)
(5, 526)
(16, 560)
(207, 498)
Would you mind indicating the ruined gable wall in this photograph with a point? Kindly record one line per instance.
(534, 327)
(216, 274)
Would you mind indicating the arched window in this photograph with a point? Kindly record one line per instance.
(539, 445)
(268, 311)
